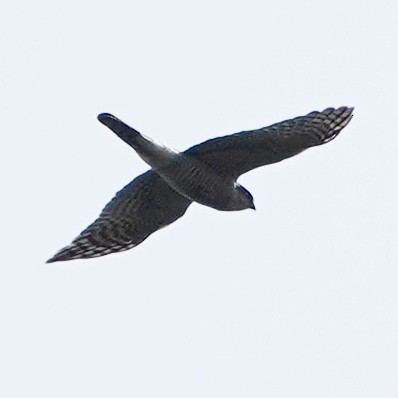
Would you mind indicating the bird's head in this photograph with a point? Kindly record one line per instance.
(245, 198)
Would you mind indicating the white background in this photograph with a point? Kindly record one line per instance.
(297, 299)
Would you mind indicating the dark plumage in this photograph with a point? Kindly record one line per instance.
(205, 173)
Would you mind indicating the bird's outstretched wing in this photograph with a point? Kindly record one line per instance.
(139, 209)
(239, 153)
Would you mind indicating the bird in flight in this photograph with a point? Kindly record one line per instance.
(206, 173)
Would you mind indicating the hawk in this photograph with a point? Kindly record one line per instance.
(206, 173)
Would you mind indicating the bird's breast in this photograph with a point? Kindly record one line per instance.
(198, 182)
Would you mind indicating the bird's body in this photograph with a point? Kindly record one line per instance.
(200, 183)
(189, 176)
(205, 173)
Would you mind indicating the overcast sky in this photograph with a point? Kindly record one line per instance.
(297, 299)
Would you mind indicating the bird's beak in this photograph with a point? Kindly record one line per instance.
(253, 207)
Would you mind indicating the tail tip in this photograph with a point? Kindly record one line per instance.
(103, 117)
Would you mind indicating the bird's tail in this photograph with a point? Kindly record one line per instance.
(129, 135)
(156, 155)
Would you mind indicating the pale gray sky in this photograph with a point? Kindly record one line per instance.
(297, 299)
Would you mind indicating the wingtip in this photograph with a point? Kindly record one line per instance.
(349, 109)
(346, 116)
(65, 254)
(55, 259)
